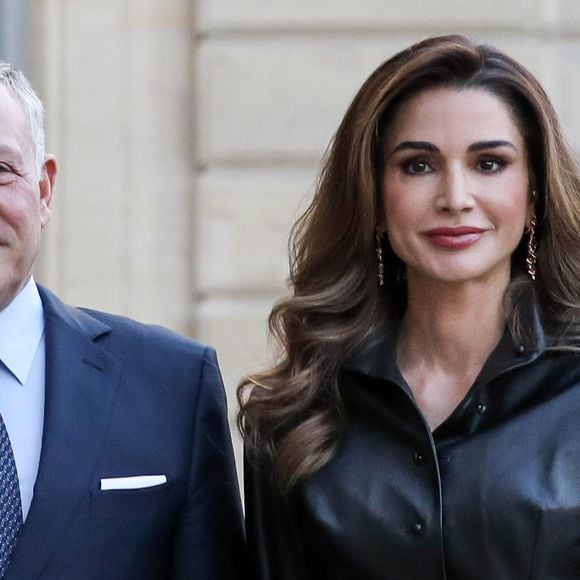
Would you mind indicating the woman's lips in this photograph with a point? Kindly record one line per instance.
(454, 238)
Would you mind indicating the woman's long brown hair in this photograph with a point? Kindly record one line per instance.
(292, 412)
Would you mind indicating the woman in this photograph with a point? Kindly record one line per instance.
(423, 420)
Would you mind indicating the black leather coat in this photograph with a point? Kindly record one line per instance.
(491, 494)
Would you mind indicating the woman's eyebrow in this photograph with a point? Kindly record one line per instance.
(416, 146)
(479, 145)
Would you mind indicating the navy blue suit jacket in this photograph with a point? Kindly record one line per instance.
(126, 399)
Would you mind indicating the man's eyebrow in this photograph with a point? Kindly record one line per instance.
(480, 145)
(416, 146)
(11, 151)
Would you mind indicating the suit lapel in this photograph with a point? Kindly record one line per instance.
(81, 379)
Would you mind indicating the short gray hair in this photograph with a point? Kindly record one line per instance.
(18, 84)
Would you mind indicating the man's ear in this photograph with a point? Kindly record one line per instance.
(46, 187)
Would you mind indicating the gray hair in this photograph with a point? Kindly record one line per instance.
(17, 83)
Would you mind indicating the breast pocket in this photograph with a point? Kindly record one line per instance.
(121, 504)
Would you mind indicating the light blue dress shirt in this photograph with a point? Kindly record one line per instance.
(22, 383)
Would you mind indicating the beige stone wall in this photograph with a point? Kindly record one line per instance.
(189, 134)
(274, 79)
(117, 80)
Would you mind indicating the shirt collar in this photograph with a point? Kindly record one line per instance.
(21, 329)
(375, 356)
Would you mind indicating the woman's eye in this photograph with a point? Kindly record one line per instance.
(416, 167)
(490, 165)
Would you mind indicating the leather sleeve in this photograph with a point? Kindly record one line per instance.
(209, 542)
(275, 544)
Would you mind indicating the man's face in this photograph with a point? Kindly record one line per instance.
(25, 197)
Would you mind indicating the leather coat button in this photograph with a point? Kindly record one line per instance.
(418, 458)
(417, 529)
(481, 408)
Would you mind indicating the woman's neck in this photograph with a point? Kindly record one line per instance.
(451, 326)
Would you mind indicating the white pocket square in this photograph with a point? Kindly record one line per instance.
(132, 482)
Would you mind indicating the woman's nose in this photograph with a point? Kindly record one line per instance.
(455, 195)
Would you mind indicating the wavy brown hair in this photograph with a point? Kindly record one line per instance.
(292, 412)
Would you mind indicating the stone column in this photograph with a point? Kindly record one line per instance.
(117, 80)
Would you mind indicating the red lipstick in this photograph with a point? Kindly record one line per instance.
(456, 238)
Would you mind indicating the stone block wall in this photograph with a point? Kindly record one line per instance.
(190, 132)
(273, 81)
(116, 77)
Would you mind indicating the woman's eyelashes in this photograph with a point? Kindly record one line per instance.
(422, 165)
(416, 166)
(491, 164)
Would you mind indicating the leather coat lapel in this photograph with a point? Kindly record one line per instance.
(81, 378)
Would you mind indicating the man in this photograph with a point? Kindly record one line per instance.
(115, 456)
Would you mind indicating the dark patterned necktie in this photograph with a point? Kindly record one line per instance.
(10, 506)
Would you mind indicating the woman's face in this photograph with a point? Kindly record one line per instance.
(455, 186)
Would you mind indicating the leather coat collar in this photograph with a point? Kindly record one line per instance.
(375, 356)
